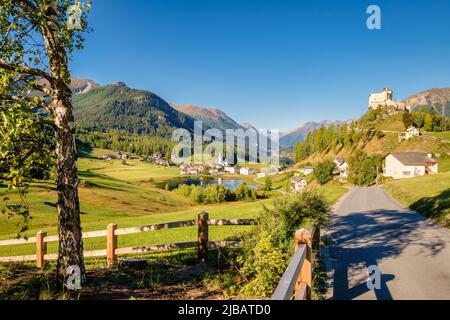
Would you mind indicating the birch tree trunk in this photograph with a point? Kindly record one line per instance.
(70, 251)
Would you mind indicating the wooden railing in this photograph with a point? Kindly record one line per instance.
(296, 282)
(112, 232)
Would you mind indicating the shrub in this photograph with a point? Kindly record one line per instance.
(267, 184)
(264, 268)
(216, 194)
(268, 248)
(243, 192)
(197, 195)
(324, 171)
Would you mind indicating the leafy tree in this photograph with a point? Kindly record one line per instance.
(323, 172)
(354, 165)
(36, 43)
(368, 172)
(267, 184)
(407, 119)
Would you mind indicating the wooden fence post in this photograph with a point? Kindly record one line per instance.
(202, 240)
(303, 236)
(41, 248)
(111, 245)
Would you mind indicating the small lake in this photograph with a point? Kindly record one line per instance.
(229, 183)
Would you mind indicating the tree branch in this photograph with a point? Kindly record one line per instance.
(26, 99)
(26, 70)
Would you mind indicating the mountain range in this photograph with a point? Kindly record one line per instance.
(291, 138)
(437, 98)
(116, 106)
(211, 118)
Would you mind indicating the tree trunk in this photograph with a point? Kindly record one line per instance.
(70, 251)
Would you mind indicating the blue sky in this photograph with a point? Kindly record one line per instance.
(276, 64)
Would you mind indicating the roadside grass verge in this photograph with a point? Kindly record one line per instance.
(428, 195)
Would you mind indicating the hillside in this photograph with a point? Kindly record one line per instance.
(135, 111)
(212, 118)
(438, 98)
(379, 136)
(291, 138)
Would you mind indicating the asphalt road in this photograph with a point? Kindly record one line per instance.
(412, 253)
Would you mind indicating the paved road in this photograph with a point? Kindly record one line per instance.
(412, 253)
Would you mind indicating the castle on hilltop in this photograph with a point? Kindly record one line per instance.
(385, 100)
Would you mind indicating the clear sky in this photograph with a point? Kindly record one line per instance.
(276, 64)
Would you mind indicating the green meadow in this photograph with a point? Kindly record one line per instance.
(428, 195)
(126, 193)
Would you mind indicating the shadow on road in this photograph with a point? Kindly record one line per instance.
(362, 239)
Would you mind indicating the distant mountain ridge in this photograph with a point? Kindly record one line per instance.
(437, 98)
(291, 138)
(80, 86)
(211, 117)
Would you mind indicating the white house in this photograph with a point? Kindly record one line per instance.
(307, 170)
(409, 133)
(231, 170)
(342, 165)
(298, 183)
(246, 171)
(261, 175)
(399, 165)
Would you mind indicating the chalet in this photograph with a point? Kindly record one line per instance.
(124, 155)
(108, 157)
(298, 183)
(342, 165)
(158, 159)
(261, 175)
(409, 133)
(191, 169)
(307, 170)
(400, 165)
(231, 170)
(246, 171)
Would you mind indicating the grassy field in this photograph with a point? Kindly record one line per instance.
(439, 135)
(127, 194)
(428, 195)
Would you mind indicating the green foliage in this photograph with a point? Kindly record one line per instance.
(269, 246)
(213, 193)
(363, 170)
(323, 172)
(430, 121)
(267, 184)
(331, 138)
(24, 156)
(264, 267)
(117, 107)
(407, 119)
(142, 145)
(243, 192)
(32, 44)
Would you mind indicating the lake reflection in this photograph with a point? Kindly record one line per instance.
(229, 183)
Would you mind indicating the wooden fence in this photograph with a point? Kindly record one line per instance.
(112, 232)
(296, 282)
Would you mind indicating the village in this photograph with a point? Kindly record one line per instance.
(396, 165)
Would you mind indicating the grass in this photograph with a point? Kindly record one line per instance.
(129, 195)
(428, 195)
(439, 135)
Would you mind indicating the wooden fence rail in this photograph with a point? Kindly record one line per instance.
(296, 282)
(112, 232)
